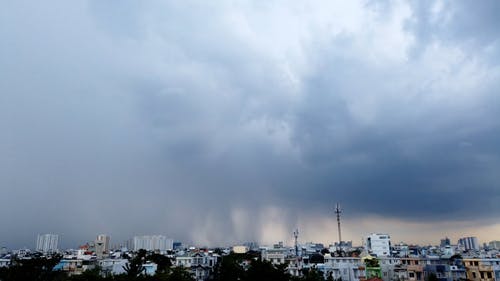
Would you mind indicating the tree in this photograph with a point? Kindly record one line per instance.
(317, 258)
(229, 269)
(179, 274)
(313, 275)
(431, 277)
(264, 271)
(163, 262)
(372, 262)
(134, 268)
(36, 268)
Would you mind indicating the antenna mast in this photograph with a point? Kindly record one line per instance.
(338, 211)
(296, 235)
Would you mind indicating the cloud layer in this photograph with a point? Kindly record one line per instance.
(231, 121)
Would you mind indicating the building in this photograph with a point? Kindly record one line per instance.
(274, 255)
(240, 249)
(5, 262)
(200, 265)
(342, 268)
(469, 243)
(101, 245)
(47, 243)
(378, 244)
(74, 266)
(479, 269)
(445, 242)
(414, 268)
(112, 266)
(152, 243)
(388, 266)
(494, 245)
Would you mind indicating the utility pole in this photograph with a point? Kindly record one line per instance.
(338, 211)
(296, 235)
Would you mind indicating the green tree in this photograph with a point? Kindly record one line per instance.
(164, 263)
(229, 269)
(37, 269)
(265, 271)
(313, 275)
(373, 262)
(431, 277)
(134, 268)
(179, 274)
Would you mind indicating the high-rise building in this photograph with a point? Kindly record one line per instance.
(469, 243)
(445, 242)
(151, 243)
(494, 245)
(378, 244)
(47, 243)
(101, 245)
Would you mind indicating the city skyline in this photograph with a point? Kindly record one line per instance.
(227, 121)
(289, 241)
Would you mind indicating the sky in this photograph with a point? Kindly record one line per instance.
(219, 122)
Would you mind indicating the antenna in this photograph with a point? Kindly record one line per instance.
(296, 235)
(338, 211)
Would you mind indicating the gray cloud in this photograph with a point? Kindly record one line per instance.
(196, 120)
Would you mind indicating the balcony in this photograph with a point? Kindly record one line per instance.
(485, 267)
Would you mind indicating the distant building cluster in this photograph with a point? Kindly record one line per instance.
(469, 243)
(47, 243)
(151, 243)
(377, 259)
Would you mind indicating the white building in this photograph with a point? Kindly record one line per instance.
(378, 244)
(342, 268)
(201, 265)
(469, 243)
(5, 262)
(47, 242)
(274, 255)
(240, 249)
(152, 242)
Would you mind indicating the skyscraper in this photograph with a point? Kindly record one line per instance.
(47, 243)
(101, 245)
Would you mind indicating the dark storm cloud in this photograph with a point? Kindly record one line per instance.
(457, 23)
(202, 121)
